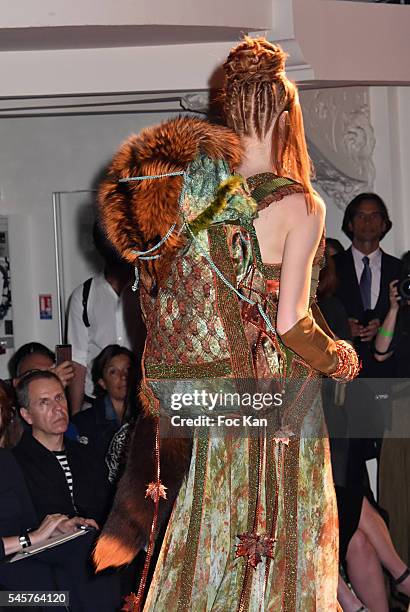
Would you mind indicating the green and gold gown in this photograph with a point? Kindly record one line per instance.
(272, 484)
(210, 305)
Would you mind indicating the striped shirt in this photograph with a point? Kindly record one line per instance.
(61, 457)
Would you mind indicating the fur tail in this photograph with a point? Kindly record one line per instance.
(128, 526)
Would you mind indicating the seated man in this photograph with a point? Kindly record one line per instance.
(63, 476)
(36, 356)
(65, 567)
(62, 568)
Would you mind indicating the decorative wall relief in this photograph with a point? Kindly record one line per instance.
(196, 102)
(339, 187)
(340, 136)
(341, 140)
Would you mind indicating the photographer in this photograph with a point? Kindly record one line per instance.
(393, 343)
(393, 336)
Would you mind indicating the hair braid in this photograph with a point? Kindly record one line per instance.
(258, 95)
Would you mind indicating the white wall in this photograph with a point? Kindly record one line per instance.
(363, 134)
(39, 156)
(390, 111)
(352, 41)
(43, 13)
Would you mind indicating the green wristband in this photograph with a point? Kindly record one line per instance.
(385, 332)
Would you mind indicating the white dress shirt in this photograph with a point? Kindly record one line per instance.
(375, 263)
(114, 319)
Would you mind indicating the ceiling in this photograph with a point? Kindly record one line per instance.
(95, 37)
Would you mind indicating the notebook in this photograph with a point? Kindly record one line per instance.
(50, 543)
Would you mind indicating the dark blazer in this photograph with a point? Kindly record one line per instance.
(93, 425)
(48, 486)
(348, 292)
(17, 513)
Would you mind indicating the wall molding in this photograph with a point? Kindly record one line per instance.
(341, 141)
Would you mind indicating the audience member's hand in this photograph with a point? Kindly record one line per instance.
(369, 332)
(355, 328)
(65, 372)
(47, 527)
(394, 295)
(76, 522)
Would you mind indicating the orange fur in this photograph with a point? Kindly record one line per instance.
(137, 214)
(109, 552)
(128, 526)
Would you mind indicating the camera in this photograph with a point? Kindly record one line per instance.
(403, 287)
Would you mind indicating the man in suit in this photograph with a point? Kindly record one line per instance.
(63, 476)
(364, 272)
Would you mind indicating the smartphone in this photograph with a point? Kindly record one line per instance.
(366, 317)
(63, 353)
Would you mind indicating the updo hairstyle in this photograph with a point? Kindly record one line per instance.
(258, 95)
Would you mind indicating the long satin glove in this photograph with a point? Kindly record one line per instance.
(336, 359)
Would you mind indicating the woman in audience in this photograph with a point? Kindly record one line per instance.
(56, 569)
(333, 246)
(334, 398)
(365, 543)
(113, 377)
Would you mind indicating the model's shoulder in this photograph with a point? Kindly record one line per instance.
(296, 207)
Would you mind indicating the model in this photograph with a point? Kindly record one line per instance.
(253, 523)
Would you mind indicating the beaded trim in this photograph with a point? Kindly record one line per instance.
(229, 308)
(194, 529)
(279, 195)
(188, 370)
(268, 187)
(291, 476)
(348, 366)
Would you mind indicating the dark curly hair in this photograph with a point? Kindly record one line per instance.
(353, 207)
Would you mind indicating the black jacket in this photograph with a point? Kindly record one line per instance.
(93, 425)
(17, 513)
(48, 486)
(348, 292)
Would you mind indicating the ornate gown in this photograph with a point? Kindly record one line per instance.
(278, 484)
(254, 523)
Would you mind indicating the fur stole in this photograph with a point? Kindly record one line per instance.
(137, 214)
(128, 526)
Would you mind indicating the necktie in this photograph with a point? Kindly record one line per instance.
(366, 284)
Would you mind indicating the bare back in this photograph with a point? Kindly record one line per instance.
(289, 236)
